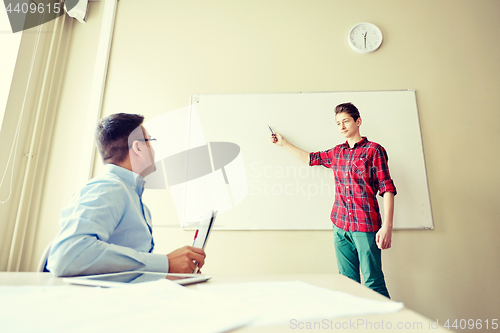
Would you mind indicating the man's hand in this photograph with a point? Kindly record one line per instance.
(383, 238)
(183, 260)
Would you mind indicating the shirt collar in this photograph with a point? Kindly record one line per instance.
(133, 180)
(359, 143)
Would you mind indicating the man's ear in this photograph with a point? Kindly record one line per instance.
(136, 148)
(359, 121)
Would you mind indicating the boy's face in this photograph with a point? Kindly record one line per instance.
(346, 125)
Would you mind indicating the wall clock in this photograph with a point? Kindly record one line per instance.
(365, 38)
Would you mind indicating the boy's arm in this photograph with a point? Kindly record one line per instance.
(387, 190)
(301, 154)
(384, 235)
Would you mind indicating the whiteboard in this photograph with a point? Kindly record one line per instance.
(275, 190)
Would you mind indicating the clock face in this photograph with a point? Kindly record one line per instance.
(364, 38)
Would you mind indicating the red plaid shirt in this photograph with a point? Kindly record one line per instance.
(360, 172)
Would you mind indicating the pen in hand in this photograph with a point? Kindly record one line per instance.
(195, 271)
(274, 135)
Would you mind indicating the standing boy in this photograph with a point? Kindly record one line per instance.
(360, 169)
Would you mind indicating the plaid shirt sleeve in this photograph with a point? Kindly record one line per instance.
(381, 169)
(324, 158)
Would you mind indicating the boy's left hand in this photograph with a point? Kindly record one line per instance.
(383, 238)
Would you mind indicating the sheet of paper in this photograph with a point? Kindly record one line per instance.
(160, 306)
(281, 302)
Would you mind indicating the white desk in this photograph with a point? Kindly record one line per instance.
(408, 320)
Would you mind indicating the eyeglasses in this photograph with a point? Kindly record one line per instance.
(152, 142)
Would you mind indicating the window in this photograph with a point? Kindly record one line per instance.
(10, 47)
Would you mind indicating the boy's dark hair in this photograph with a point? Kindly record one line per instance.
(348, 108)
(112, 135)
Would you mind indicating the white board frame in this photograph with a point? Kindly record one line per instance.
(307, 120)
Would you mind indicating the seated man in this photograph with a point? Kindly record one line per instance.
(106, 228)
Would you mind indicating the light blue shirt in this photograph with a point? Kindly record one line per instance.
(106, 228)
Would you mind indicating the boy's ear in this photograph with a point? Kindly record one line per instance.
(359, 121)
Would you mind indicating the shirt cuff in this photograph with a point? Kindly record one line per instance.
(387, 186)
(156, 262)
(313, 158)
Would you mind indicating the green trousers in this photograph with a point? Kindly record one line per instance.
(358, 250)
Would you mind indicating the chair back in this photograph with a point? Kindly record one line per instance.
(42, 264)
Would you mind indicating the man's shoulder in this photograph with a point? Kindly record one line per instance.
(105, 185)
(107, 179)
